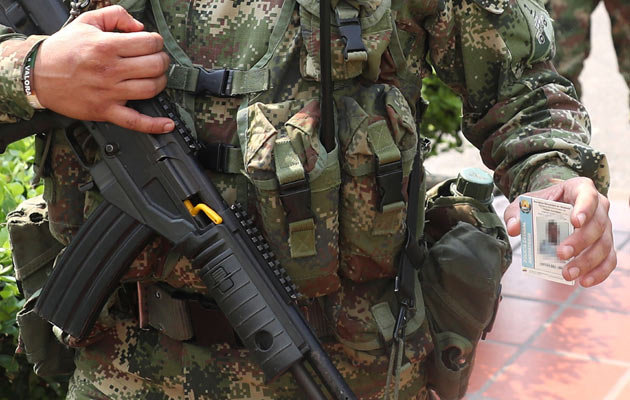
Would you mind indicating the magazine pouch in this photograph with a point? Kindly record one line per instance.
(297, 189)
(378, 142)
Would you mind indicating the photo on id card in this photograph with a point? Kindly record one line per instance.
(544, 225)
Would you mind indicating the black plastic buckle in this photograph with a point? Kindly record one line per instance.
(350, 30)
(389, 179)
(296, 198)
(215, 156)
(215, 82)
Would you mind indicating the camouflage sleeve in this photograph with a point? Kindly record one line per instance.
(13, 50)
(518, 111)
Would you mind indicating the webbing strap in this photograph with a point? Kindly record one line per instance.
(288, 165)
(169, 41)
(389, 174)
(382, 143)
(172, 48)
(295, 195)
(488, 219)
(182, 77)
(385, 320)
(186, 78)
(221, 157)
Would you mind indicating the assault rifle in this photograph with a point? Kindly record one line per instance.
(153, 184)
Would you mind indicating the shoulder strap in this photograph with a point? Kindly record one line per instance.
(194, 80)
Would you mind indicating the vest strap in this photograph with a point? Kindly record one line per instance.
(389, 173)
(221, 157)
(295, 194)
(217, 82)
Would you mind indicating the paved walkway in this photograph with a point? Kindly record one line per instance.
(557, 342)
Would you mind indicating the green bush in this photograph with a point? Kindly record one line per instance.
(442, 119)
(17, 379)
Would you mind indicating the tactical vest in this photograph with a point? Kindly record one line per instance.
(335, 219)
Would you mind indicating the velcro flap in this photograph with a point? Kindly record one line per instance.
(302, 238)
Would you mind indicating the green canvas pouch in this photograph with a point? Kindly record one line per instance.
(469, 252)
(461, 287)
(34, 250)
(296, 183)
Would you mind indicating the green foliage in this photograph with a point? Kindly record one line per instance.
(442, 119)
(17, 379)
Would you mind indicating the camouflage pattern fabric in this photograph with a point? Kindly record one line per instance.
(130, 363)
(572, 21)
(13, 103)
(518, 111)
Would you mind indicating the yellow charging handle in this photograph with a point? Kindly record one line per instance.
(194, 210)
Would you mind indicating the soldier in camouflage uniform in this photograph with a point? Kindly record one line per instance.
(523, 117)
(573, 32)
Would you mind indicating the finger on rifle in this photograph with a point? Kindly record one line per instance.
(149, 66)
(136, 44)
(110, 19)
(140, 89)
(131, 119)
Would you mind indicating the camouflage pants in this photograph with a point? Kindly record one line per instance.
(130, 363)
(572, 29)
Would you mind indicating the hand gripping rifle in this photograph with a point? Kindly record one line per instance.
(153, 184)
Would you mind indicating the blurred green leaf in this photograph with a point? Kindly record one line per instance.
(442, 120)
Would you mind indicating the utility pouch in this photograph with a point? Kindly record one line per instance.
(362, 316)
(297, 189)
(34, 251)
(378, 142)
(469, 252)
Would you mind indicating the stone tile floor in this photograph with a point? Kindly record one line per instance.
(557, 342)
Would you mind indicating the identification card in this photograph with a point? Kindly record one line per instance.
(544, 225)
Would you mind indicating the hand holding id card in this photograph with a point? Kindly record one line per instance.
(544, 225)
